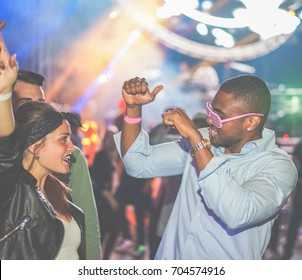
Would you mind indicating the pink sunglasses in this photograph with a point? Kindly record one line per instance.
(217, 121)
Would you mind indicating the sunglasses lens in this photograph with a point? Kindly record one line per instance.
(216, 120)
(214, 117)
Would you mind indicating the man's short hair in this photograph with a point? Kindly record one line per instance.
(30, 77)
(251, 90)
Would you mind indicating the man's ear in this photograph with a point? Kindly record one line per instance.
(253, 122)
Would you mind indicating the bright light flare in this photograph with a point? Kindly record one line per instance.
(202, 29)
(223, 38)
(269, 24)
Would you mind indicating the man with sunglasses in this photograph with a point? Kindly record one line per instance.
(235, 178)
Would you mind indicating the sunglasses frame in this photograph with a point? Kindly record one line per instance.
(217, 121)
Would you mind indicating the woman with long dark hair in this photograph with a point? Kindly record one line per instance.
(37, 220)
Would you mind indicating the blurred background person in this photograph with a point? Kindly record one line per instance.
(137, 193)
(102, 171)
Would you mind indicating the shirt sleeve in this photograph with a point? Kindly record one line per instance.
(143, 160)
(82, 195)
(256, 198)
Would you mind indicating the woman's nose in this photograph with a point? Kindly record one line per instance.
(71, 147)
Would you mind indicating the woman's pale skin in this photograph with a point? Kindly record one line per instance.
(53, 155)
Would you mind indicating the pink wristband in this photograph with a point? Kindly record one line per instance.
(132, 120)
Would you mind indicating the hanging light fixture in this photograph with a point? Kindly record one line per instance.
(272, 34)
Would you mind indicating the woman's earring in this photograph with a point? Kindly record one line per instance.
(248, 129)
(37, 157)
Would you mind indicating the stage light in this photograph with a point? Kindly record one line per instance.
(223, 38)
(102, 79)
(113, 15)
(91, 139)
(295, 104)
(268, 24)
(107, 72)
(85, 127)
(202, 29)
(94, 138)
(206, 5)
(239, 52)
(86, 141)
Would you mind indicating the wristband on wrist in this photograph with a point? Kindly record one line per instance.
(6, 96)
(132, 120)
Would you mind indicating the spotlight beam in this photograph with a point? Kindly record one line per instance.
(105, 74)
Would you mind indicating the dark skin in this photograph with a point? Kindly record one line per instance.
(233, 135)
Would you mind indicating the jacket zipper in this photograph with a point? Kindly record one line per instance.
(20, 226)
(46, 203)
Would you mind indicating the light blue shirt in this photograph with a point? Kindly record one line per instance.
(225, 211)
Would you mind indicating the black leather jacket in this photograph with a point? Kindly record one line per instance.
(29, 227)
